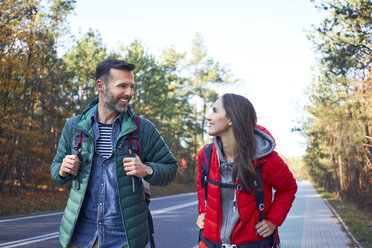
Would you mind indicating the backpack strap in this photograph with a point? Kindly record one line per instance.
(78, 146)
(206, 154)
(134, 138)
(258, 191)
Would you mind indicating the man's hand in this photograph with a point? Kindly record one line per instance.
(265, 228)
(70, 165)
(200, 220)
(134, 166)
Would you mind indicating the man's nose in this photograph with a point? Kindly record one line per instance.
(129, 91)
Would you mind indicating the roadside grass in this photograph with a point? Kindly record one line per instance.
(22, 202)
(172, 189)
(358, 221)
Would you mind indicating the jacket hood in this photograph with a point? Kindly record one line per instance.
(265, 143)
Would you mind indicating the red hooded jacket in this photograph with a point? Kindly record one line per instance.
(275, 174)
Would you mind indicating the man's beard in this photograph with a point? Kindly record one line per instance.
(112, 103)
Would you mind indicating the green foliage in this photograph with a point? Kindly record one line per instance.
(203, 75)
(344, 38)
(39, 90)
(79, 66)
(338, 128)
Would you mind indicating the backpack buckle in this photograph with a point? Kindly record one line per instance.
(228, 246)
(261, 207)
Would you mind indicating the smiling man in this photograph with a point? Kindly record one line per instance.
(106, 206)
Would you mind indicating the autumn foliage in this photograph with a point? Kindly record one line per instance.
(40, 89)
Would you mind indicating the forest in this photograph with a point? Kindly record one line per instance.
(40, 88)
(338, 125)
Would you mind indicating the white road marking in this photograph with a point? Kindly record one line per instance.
(30, 217)
(57, 213)
(172, 196)
(27, 241)
(163, 210)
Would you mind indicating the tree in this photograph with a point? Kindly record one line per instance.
(80, 63)
(28, 34)
(339, 125)
(204, 73)
(161, 96)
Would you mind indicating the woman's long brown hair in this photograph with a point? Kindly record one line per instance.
(243, 118)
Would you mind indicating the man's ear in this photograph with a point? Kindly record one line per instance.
(100, 85)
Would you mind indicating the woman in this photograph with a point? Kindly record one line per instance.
(229, 215)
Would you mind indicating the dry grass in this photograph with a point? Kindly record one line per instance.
(358, 221)
(172, 189)
(25, 202)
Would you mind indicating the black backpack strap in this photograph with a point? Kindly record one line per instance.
(258, 191)
(260, 199)
(275, 239)
(222, 185)
(134, 138)
(151, 227)
(78, 146)
(206, 162)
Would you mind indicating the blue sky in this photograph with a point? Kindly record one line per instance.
(263, 43)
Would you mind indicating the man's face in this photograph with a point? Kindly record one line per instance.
(119, 90)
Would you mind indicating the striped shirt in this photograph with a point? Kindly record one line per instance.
(104, 147)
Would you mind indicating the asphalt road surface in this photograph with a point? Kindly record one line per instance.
(310, 223)
(174, 222)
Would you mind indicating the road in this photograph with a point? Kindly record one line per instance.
(174, 217)
(310, 223)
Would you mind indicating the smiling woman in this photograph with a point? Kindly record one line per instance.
(237, 173)
(218, 122)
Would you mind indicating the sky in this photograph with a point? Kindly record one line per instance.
(263, 43)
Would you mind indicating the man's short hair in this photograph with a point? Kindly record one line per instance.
(103, 68)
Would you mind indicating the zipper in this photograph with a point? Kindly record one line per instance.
(120, 206)
(83, 194)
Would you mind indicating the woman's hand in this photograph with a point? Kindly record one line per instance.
(265, 228)
(200, 220)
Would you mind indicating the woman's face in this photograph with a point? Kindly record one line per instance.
(218, 122)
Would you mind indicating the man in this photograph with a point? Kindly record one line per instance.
(106, 206)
